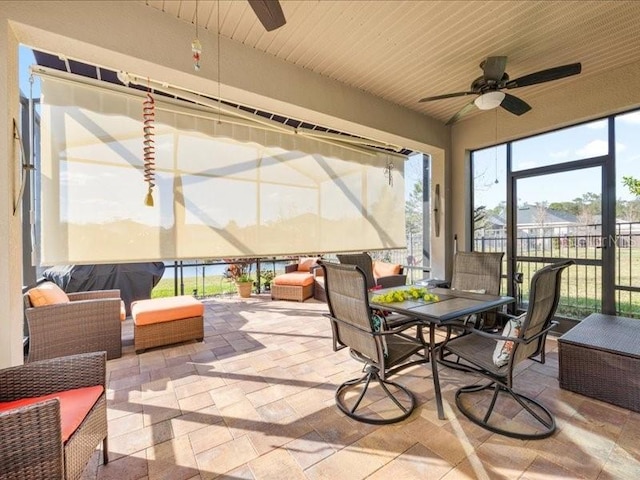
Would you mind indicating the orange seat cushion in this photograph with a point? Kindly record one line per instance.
(294, 279)
(305, 263)
(47, 293)
(156, 310)
(123, 311)
(74, 406)
(384, 269)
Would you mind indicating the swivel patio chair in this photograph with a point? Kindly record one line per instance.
(53, 414)
(479, 272)
(383, 352)
(494, 357)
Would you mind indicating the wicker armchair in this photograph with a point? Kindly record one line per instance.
(31, 445)
(363, 260)
(90, 322)
(383, 351)
(494, 357)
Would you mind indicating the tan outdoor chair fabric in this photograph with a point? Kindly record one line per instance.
(384, 352)
(478, 272)
(480, 352)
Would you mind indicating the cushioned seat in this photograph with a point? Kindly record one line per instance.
(297, 283)
(53, 414)
(75, 405)
(163, 321)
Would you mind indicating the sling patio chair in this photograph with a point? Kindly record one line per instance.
(383, 352)
(478, 272)
(495, 356)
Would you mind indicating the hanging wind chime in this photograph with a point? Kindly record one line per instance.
(388, 172)
(148, 115)
(196, 46)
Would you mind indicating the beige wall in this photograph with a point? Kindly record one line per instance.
(10, 225)
(591, 97)
(132, 37)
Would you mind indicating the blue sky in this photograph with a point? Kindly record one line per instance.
(574, 143)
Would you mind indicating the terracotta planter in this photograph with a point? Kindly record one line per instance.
(244, 289)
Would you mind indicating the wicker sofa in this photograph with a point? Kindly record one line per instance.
(84, 322)
(32, 434)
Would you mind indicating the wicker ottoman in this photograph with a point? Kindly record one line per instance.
(600, 358)
(296, 286)
(163, 321)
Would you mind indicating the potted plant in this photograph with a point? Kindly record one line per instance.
(267, 277)
(239, 274)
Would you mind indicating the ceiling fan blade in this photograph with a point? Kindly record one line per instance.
(446, 95)
(493, 68)
(514, 105)
(269, 12)
(463, 111)
(548, 75)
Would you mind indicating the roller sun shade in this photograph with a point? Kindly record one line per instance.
(224, 189)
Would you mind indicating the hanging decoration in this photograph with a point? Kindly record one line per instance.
(196, 46)
(148, 115)
(388, 172)
(496, 148)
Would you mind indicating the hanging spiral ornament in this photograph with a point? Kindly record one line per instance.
(388, 172)
(148, 115)
(196, 46)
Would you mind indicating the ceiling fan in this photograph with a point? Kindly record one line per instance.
(269, 12)
(489, 86)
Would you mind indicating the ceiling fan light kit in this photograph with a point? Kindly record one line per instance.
(489, 100)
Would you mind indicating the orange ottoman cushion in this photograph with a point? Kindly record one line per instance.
(294, 279)
(156, 310)
(74, 406)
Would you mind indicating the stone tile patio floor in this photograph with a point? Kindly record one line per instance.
(255, 401)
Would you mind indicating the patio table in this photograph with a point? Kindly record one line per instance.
(452, 304)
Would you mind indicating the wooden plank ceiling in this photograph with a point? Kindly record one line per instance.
(405, 50)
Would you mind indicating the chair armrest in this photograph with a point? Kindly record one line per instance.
(31, 445)
(498, 337)
(317, 271)
(53, 375)
(94, 295)
(291, 268)
(399, 280)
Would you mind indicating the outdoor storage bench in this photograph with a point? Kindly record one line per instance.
(600, 358)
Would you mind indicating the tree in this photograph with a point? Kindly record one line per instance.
(479, 217)
(413, 209)
(633, 184)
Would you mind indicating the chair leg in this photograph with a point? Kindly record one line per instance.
(403, 398)
(105, 451)
(545, 420)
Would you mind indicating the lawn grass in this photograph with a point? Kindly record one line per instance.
(213, 285)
